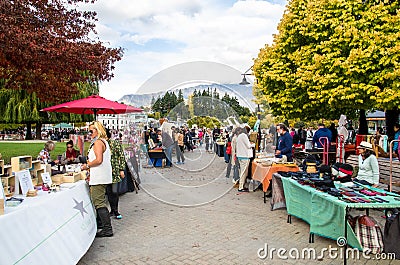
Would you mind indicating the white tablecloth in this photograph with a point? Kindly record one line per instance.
(55, 228)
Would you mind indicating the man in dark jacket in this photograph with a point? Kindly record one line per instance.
(285, 143)
(322, 132)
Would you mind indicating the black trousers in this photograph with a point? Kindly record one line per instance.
(113, 196)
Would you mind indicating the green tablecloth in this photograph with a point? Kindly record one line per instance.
(325, 213)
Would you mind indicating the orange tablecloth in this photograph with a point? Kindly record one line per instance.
(264, 173)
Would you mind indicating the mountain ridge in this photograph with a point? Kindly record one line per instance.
(244, 94)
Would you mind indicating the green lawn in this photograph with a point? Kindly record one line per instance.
(9, 150)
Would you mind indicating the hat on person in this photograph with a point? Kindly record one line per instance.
(365, 145)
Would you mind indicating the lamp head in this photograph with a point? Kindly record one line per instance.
(244, 80)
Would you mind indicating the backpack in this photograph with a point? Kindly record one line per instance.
(228, 148)
(187, 138)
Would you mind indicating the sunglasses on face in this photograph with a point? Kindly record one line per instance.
(69, 146)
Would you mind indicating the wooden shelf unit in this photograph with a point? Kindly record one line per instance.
(8, 180)
(19, 163)
(36, 172)
(37, 180)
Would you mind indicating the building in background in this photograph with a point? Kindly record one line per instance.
(122, 121)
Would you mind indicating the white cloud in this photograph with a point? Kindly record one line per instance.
(207, 30)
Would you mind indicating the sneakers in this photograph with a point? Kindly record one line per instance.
(243, 190)
(178, 163)
(116, 214)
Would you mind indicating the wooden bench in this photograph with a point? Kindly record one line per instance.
(384, 171)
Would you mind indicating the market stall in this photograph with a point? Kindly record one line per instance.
(263, 171)
(157, 156)
(50, 228)
(326, 214)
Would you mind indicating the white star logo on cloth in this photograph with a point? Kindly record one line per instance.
(79, 207)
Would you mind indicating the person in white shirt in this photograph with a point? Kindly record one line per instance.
(368, 167)
(99, 166)
(244, 152)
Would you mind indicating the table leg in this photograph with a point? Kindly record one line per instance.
(265, 197)
(311, 238)
(289, 219)
(346, 216)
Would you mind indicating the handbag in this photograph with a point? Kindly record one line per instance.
(369, 234)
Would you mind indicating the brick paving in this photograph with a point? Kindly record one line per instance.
(189, 214)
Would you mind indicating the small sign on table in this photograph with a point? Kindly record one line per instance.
(47, 179)
(24, 178)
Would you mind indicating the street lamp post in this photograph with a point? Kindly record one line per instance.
(259, 127)
(245, 82)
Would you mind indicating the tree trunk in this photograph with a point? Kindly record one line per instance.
(391, 117)
(28, 131)
(38, 131)
(363, 125)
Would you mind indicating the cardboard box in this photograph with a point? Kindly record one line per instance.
(71, 179)
(57, 179)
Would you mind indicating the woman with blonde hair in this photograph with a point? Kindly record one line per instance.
(99, 165)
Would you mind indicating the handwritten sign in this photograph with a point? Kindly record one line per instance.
(46, 178)
(25, 181)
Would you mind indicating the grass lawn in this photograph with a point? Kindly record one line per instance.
(9, 150)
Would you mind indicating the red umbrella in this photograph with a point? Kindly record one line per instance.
(93, 105)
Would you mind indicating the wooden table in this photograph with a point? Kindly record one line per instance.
(263, 174)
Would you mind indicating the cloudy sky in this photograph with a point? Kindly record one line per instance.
(157, 34)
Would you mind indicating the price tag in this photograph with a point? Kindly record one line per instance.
(46, 178)
(25, 181)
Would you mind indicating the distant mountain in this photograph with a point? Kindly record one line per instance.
(244, 94)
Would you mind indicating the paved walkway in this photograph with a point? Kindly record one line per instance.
(190, 214)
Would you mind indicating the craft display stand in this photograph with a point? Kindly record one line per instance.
(8, 180)
(36, 172)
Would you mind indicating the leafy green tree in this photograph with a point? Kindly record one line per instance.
(331, 58)
(205, 121)
(19, 106)
(180, 97)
